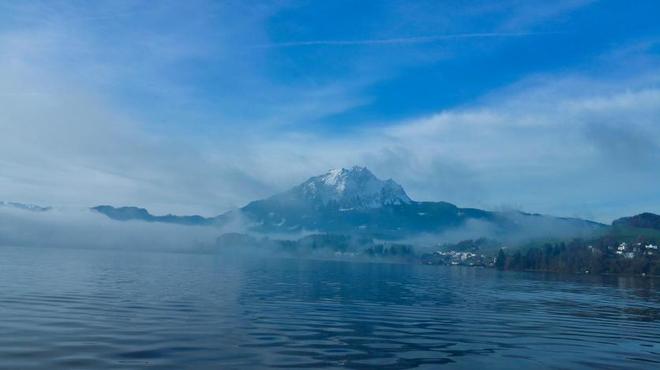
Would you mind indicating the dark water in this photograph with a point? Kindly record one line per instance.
(76, 309)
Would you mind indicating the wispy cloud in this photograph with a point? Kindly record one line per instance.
(400, 40)
(155, 110)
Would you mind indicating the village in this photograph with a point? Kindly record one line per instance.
(457, 258)
(638, 249)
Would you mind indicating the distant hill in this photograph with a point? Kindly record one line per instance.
(642, 220)
(135, 213)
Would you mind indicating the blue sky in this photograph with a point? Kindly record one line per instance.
(546, 106)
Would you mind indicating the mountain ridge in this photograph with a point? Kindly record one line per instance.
(646, 220)
(355, 201)
(137, 213)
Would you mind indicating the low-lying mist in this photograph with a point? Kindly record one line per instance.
(84, 228)
(524, 229)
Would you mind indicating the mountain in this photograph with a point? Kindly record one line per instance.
(349, 201)
(135, 213)
(356, 188)
(642, 220)
(355, 201)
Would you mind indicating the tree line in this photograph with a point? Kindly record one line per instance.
(578, 256)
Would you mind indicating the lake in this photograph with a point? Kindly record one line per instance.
(101, 309)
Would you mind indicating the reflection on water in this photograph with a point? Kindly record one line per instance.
(117, 310)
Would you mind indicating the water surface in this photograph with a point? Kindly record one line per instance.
(87, 309)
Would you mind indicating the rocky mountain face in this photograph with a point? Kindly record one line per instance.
(355, 188)
(349, 201)
(356, 201)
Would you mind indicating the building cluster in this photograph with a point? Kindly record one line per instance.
(635, 250)
(457, 258)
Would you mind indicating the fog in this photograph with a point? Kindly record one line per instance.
(83, 228)
(527, 228)
(85, 122)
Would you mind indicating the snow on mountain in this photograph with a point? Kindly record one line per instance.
(354, 201)
(353, 188)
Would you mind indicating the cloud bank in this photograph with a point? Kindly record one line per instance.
(99, 111)
(82, 228)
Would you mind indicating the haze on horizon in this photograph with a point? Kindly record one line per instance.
(203, 106)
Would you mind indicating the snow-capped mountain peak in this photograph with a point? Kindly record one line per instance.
(335, 178)
(352, 188)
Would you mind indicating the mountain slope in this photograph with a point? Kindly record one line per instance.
(642, 220)
(356, 188)
(274, 215)
(348, 201)
(135, 213)
(355, 201)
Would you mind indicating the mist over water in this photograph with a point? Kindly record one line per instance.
(83, 228)
(282, 184)
(104, 309)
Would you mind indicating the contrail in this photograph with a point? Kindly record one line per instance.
(399, 40)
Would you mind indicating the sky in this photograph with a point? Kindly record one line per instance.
(202, 106)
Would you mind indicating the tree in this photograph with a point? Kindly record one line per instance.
(500, 261)
(515, 263)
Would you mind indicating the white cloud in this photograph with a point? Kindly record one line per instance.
(568, 145)
(83, 228)
(396, 40)
(74, 133)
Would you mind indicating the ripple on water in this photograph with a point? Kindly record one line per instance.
(116, 310)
